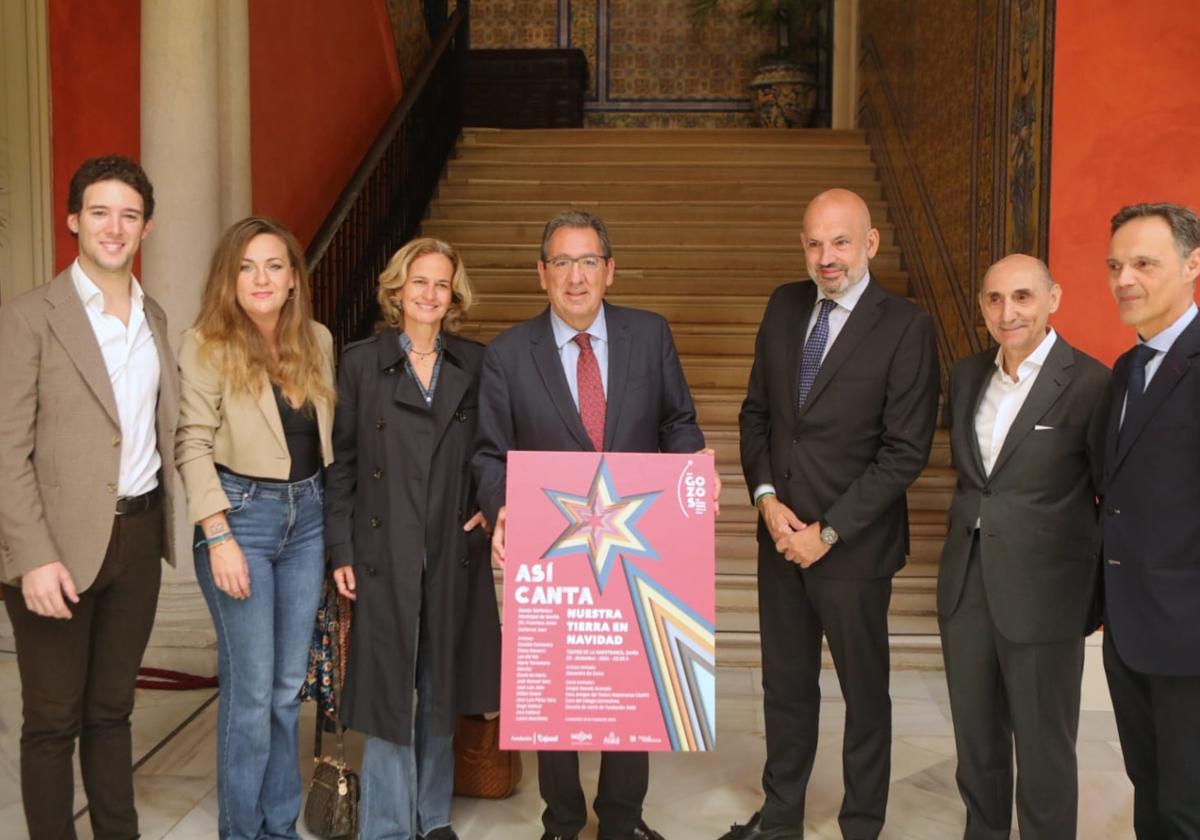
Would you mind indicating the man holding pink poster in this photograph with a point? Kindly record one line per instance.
(583, 376)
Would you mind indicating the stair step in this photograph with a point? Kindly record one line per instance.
(824, 154)
(919, 651)
(689, 338)
(666, 281)
(623, 234)
(711, 210)
(726, 440)
(848, 175)
(577, 188)
(673, 137)
(696, 308)
(782, 259)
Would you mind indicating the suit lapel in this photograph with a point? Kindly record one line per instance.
(1051, 381)
(970, 408)
(167, 407)
(158, 330)
(619, 353)
(1117, 386)
(794, 342)
(270, 412)
(70, 325)
(391, 358)
(452, 384)
(549, 366)
(858, 326)
(1174, 365)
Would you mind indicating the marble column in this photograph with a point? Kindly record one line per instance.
(26, 229)
(195, 113)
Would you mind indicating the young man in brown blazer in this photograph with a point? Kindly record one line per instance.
(89, 398)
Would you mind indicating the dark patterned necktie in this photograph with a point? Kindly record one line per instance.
(814, 350)
(592, 407)
(1142, 354)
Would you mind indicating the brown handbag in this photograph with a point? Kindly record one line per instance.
(481, 768)
(331, 810)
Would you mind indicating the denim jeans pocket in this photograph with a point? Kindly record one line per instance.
(239, 493)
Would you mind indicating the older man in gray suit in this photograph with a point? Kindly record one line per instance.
(89, 398)
(1018, 573)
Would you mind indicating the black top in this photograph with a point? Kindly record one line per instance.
(303, 436)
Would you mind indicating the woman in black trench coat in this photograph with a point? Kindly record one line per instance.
(408, 543)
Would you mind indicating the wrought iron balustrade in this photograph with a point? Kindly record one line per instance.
(382, 205)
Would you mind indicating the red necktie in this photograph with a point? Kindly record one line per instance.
(592, 408)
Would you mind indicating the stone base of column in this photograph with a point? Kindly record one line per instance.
(183, 638)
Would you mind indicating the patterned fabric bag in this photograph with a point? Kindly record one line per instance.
(330, 645)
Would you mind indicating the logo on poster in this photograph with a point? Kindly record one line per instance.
(692, 491)
(581, 737)
(612, 739)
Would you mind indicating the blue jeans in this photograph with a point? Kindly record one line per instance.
(262, 652)
(407, 789)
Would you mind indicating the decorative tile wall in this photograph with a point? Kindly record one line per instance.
(956, 107)
(648, 64)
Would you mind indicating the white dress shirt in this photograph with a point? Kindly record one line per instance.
(838, 316)
(133, 370)
(1002, 400)
(568, 350)
(1160, 344)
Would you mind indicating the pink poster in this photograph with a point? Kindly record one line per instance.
(609, 603)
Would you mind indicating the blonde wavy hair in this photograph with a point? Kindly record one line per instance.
(395, 275)
(231, 341)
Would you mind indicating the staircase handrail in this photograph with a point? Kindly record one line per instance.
(382, 204)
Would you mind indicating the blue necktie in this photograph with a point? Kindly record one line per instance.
(814, 350)
(1142, 354)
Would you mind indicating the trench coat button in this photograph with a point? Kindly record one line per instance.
(1112, 511)
(380, 423)
(376, 521)
(370, 570)
(989, 493)
(391, 369)
(110, 487)
(378, 473)
(787, 474)
(116, 440)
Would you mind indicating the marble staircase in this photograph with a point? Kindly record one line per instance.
(704, 223)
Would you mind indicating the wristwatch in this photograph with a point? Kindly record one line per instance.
(828, 535)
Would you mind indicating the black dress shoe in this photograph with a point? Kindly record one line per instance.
(642, 832)
(548, 836)
(443, 833)
(754, 830)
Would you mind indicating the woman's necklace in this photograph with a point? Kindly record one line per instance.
(422, 356)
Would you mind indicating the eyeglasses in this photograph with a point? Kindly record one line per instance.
(588, 263)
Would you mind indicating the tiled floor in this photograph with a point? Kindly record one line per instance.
(692, 797)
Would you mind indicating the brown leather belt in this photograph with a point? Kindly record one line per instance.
(137, 504)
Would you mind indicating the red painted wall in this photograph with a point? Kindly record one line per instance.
(1126, 129)
(95, 94)
(323, 79)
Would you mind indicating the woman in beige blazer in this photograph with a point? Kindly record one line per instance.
(252, 444)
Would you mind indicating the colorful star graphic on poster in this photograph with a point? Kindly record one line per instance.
(601, 524)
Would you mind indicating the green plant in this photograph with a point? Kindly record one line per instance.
(795, 23)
